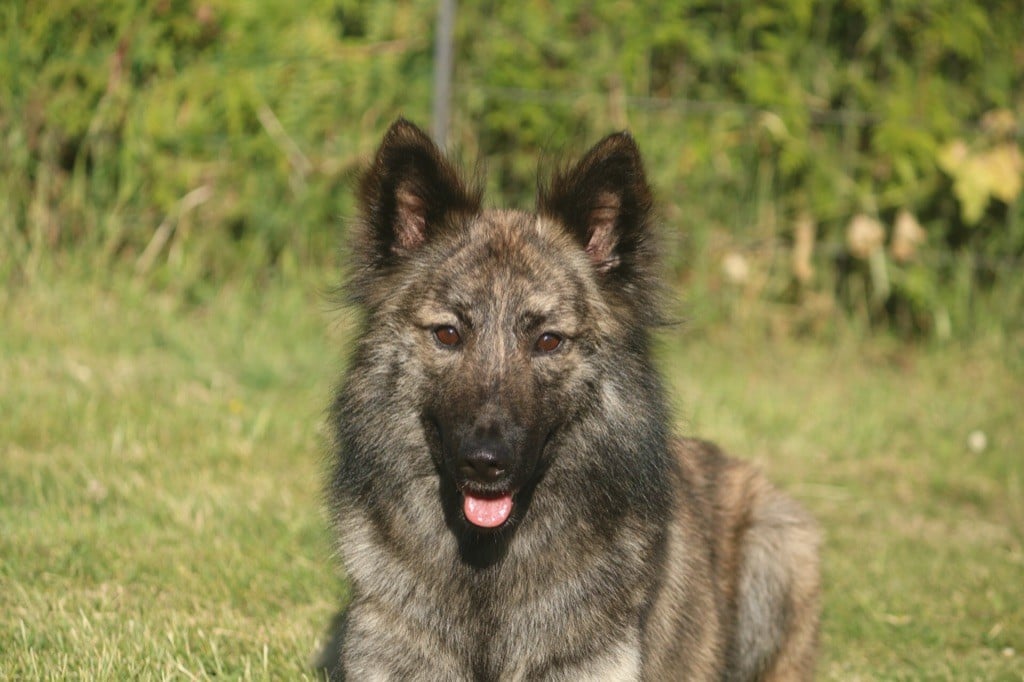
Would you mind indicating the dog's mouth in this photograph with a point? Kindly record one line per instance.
(487, 510)
(487, 484)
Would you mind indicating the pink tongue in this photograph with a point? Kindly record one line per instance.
(487, 512)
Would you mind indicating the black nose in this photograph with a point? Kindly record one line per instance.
(483, 465)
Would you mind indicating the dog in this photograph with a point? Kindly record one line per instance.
(508, 498)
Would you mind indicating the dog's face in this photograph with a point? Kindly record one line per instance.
(502, 332)
(501, 313)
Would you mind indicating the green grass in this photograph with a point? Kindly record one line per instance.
(924, 553)
(160, 488)
(161, 459)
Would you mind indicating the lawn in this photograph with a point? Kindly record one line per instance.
(161, 458)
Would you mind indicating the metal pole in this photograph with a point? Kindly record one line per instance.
(443, 69)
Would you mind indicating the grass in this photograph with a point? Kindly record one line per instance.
(924, 561)
(160, 492)
(160, 509)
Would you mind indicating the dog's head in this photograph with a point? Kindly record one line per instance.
(503, 325)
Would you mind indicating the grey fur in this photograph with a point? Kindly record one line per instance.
(627, 555)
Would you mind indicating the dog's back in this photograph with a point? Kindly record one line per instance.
(755, 615)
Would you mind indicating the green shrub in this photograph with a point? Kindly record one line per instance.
(210, 138)
(757, 116)
(218, 136)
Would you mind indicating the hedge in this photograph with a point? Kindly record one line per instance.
(854, 155)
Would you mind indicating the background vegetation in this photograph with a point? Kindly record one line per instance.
(840, 181)
(817, 156)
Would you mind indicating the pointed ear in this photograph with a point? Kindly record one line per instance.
(407, 195)
(605, 202)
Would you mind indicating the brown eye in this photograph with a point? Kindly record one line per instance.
(548, 342)
(447, 336)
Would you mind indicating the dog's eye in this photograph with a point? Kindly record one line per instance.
(548, 342)
(447, 336)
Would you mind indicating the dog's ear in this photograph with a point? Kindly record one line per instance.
(409, 193)
(605, 202)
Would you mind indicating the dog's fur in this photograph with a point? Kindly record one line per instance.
(504, 357)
